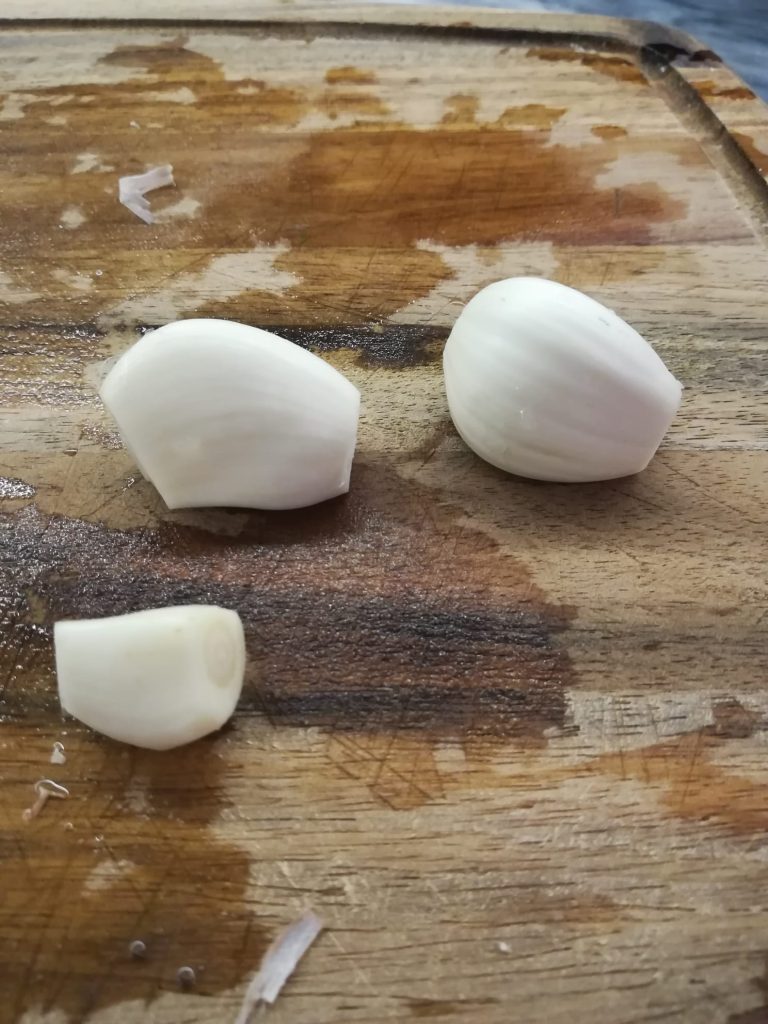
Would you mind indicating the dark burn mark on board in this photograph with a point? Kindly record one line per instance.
(391, 346)
(670, 53)
(759, 1014)
(378, 612)
(336, 103)
(437, 710)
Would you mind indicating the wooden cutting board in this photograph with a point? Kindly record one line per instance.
(507, 738)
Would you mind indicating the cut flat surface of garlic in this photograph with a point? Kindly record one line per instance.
(219, 413)
(545, 382)
(157, 678)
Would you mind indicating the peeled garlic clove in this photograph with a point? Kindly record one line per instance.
(218, 413)
(547, 383)
(156, 678)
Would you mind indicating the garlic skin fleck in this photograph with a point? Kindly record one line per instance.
(219, 413)
(158, 678)
(547, 383)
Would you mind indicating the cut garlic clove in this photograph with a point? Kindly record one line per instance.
(156, 678)
(545, 382)
(218, 413)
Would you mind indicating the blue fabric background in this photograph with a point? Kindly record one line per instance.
(735, 29)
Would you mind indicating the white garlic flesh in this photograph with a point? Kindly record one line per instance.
(219, 413)
(157, 678)
(547, 383)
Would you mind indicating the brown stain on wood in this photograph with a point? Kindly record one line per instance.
(710, 89)
(382, 192)
(688, 785)
(170, 59)
(758, 156)
(609, 131)
(400, 618)
(461, 110)
(621, 69)
(530, 115)
(376, 190)
(338, 102)
(172, 63)
(452, 642)
(588, 270)
(174, 555)
(390, 201)
(348, 74)
(366, 196)
(128, 856)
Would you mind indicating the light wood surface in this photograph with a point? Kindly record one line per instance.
(508, 739)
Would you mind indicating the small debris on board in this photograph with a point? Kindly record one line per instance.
(503, 947)
(132, 189)
(186, 977)
(44, 790)
(279, 963)
(57, 754)
(137, 949)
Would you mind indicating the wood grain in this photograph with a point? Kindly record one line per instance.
(507, 738)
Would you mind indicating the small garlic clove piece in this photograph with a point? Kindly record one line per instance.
(219, 413)
(158, 678)
(547, 383)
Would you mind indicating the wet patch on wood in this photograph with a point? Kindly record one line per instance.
(375, 613)
(390, 346)
(104, 869)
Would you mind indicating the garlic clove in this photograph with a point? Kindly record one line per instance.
(545, 382)
(219, 413)
(156, 678)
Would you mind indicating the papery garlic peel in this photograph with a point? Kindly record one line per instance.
(219, 413)
(132, 189)
(545, 382)
(157, 678)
